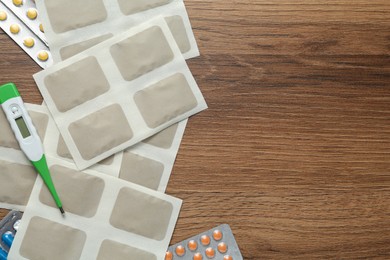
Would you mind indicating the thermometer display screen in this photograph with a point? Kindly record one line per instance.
(22, 127)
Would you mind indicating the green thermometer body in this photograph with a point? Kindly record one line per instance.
(27, 135)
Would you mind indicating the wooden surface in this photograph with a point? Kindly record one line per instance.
(294, 151)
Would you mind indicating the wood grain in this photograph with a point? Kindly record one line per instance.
(294, 150)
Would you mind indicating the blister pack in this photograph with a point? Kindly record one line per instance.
(132, 86)
(217, 243)
(106, 218)
(19, 19)
(72, 26)
(9, 225)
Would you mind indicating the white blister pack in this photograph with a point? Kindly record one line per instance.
(106, 218)
(21, 25)
(72, 26)
(131, 86)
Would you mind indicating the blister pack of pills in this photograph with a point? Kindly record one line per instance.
(19, 19)
(217, 243)
(9, 225)
(132, 86)
(72, 25)
(106, 218)
(148, 163)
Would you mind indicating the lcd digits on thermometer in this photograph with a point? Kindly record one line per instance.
(26, 134)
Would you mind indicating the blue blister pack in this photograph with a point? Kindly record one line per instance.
(8, 227)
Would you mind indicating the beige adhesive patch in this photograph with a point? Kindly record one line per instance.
(140, 170)
(16, 183)
(107, 161)
(165, 100)
(71, 50)
(62, 149)
(67, 15)
(163, 139)
(141, 214)
(134, 6)
(47, 240)
(7, 137)
(141, 53)
(176, 25)
(80, 193)
(114, 250)
(76, 84)
(40, 121)
(100, 131)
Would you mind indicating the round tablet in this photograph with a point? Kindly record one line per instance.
(17, 2)
(217, 235)
(192, 245)
(222, 247)
(41, 28)
(210, 253)
(43, 56)
(227, 257)
(3, 16)
(15, 29)
(29, 42)
(32, 13)
(205, 240)
(168, 255)
(180, 250)
(198, 256)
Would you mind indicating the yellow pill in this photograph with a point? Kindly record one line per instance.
(15, 29)
(32, 13)
(17, 2)
(41, 28)
(29, 42)
(43, 56)
(3, 16)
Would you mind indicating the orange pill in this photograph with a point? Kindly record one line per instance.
(192, 245)
(227, 257)
(198, 256)
(205, 240)
(168, 255)
(222, 247)
(217, 235)
(180, 250)
(210, 253)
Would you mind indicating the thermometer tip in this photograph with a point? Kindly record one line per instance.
(62, 211)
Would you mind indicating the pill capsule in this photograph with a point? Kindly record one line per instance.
(3, 254)
(222, 247)
(217, 235)
(168, 255)
(32, 13)
(210, 253)
(180, 250)
(41, 28)
(17, 224)
(29, 42)
(8, 238)
(192, 245)
(17, 2)
(43, 56)
(3, 16)
(205, 240)
(227, 257)
(198, 256)
(15, 29)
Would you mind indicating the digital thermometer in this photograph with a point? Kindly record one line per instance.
(27, 135)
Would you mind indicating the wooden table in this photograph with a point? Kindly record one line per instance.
(294, 151)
